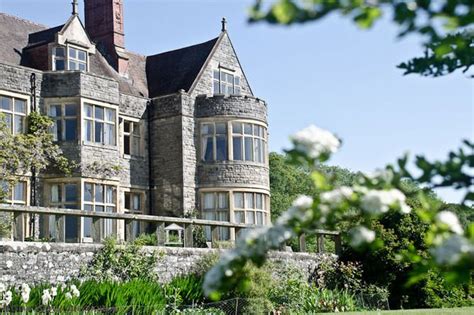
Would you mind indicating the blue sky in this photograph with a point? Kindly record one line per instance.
(328, 73)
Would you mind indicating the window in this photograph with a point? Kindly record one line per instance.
(131, 138)
(98, 198)
(14, 113)
(250, 208)
(226, 83)
(248, 142)
(215, 206)
(64, 195)
(214, 141)
(15, 194)
(99, 124)
(76, 59)
(133, 204)
(65, 121)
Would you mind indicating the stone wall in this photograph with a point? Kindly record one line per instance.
(52, 263)
(243, 107)
(233, 174)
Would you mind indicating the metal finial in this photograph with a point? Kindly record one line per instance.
(74, 7)
(224, 24)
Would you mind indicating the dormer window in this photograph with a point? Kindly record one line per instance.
(226, 83)
(75, 59)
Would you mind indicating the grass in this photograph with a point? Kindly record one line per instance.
(449, 311)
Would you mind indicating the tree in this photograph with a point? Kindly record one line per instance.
(445, 25)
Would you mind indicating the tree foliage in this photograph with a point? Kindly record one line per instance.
(445, 25)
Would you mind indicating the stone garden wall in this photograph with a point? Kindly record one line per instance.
(34, 262)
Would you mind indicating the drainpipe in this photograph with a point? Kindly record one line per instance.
(34, 201)
(150, 182)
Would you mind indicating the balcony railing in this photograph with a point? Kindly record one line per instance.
(20, 214)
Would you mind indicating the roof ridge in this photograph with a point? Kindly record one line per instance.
(24, 20)
(173, 50)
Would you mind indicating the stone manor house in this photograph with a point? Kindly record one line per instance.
(167, 134)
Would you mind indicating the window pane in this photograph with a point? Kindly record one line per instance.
(56, 193)
(221, 128)
(19, 192)
(99, 193)
(5, 103)
(88, 192)
(239, 200)
(223, 201)
(239, 216)
(207, 129)
(216, 74)
(109, 194)
(136, 146)
(237, 128)
(99, 132)
(82, 66)
(109, 134)
(110, 114)
(249, 201)
(248, 129)
(258, 201)
(59, 64)
(258, 156)
(209, 201)
(71, 228)
(223, 88)
(126, 144)
(136, 202)
(99, 208)
(19, 124)
(221, 148)
(237, 148)
(73, 53)
(59, 52)
(71, 127)
(248, 149)
(20, 106)
(127, 126)
(250, 217)
(81, 55)
(87, 224)
(88, 110)
(230, 90)
(237, 90)
(55, 110)
(70, 110)
(207, 147)
(88, 130)
(99, 113)
(7, 118)
(216, 87)
(71, 192)
(259, 218)
(237, 80)
(73, 65)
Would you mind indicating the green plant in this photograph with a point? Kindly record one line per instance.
(146, 240)
(121, 263)
(324, 300)
(189, 288)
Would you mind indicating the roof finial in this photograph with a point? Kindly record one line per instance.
(224, 24)
(74, 7)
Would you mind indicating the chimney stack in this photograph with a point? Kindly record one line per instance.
(104, 24)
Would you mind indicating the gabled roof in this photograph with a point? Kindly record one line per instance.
(174, 70)
(44, 36)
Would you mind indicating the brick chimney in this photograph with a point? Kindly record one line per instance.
(104, 24)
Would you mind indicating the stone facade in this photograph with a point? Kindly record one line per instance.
(155, 107)
(53, 263)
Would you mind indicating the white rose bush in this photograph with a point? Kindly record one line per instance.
(451, 247)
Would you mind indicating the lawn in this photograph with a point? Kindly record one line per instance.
(450, 311)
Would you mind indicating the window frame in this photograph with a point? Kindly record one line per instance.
(12, 111)
(223, 82)
(68, 58)
(11, 198)
(251, 209)
(94, 121)
(63, 118)
(135, 140)
(216, 210)
(214, 136)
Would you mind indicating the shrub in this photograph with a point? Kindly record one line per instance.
(324, 300)
(146, 240)
(120, 263)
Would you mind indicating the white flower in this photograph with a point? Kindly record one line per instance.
(9, 264)
(451, 220)
(361, 235)
(46, 297)
(315, 141)
(336, 196)
(452, 249)
(54, 291)
(379, 201)
(7, 297)
(68, 295)
(75, 291)
(2, 287)
(382, 175)
(303, 202)
(25, 293)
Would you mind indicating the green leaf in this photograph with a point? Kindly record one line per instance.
(319, 180)
(284, 11)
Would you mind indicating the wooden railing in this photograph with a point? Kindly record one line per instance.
(20, 212)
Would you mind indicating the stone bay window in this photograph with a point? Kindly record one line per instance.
(233, 140)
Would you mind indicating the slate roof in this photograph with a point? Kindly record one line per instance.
(174, 70)
(44, 36)
(151, 76)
